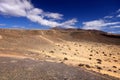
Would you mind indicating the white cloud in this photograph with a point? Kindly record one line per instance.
(69, 23)
(118, 10)
(108, 17)
(15, 7)
(2, 24)
(24, 8)
(118, 15)
(115, 26)
(53, 15)
(98, 24)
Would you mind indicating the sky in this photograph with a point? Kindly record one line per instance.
(45, 14)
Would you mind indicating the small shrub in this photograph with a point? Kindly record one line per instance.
(81, 65)
(75, 54)
(114, 71)
(105, 54)
(113, 57)
(90, 58)
(69, 48)
(109, 70)
(98, 67)
(114, 67)
(99, 60)
(87, 66)
(65, 58)
(115, 60)
(51, 51)
(91, 51)
(97, 52)
(91, 55)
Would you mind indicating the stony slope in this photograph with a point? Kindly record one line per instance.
(88, 49)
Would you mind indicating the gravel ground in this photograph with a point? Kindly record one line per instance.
(26, 69)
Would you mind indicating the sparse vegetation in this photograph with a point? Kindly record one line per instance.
(91, 55)
(114, 71)
(69, 48)
(91, 51)
(87, 66)
(98, 67)
(81, 65)
(65, 50)
(109, 70)
(65, 58)
(115, 60)
(114, 67)
(99, 61)
(90, 58)
(51, 51)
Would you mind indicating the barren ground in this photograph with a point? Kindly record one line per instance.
(71, 56)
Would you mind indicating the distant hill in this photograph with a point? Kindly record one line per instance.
(66, 34)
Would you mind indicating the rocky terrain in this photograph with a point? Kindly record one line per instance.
(59, 54)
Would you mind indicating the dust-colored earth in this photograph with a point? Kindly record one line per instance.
(59, 54)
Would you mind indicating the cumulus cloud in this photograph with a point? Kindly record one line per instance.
(98, 24)
(24, 8)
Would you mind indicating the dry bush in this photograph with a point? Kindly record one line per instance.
(114, 67)
(65, 58)
(90, 58)
(109, 70)
(87, 66)
(98, 67)
(91, 55)
(80, 65)
(51, 51)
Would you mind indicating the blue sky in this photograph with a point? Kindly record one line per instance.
(43, 14)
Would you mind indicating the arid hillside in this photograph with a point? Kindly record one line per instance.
(89, 52)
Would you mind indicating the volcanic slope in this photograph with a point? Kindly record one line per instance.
(96, 52)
